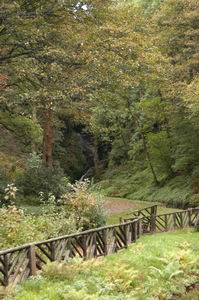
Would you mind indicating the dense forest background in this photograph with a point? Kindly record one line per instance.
(101, 89)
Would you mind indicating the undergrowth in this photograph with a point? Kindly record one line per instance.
(138, 185)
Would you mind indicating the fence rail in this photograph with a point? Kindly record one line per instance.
(144, 212)
(176, 220)
(19, 263)
(148, 214)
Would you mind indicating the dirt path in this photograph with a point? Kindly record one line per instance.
(116, 206)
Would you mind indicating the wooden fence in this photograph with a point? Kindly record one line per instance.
(148, 215)
(176, 220)
(144, 212)
(19, 263)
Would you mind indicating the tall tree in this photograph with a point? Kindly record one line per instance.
(47, 47)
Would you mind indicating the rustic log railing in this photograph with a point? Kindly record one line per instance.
(148, 215)
(151, 222)
(176, 220)
(19, 263)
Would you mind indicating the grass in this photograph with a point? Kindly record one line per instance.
(127, 183)
(156, 267)
(31, 209)
(113, 218)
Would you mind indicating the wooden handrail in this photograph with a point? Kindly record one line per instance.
(24, 261)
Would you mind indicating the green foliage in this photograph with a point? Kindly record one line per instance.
(16, 228)
(9, 195)
(70, 152)
(138, 184)
(157, 116)
(3, 181)
(126, 72)
(23, 127)
(77, 208)
(160, 150)
(38, 178)
(150, 5)
(85, 204)
(154, 267)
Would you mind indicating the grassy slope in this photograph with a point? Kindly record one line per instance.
(154, 268)
(124, 182)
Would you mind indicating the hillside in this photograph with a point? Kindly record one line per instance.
(139, 185)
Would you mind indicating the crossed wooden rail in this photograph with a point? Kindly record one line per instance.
(19, 263)
(151, 222)
(148, 214)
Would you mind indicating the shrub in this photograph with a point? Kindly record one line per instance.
(85, 204)
(16, 228)
(38, 178)
(81, 209)
(9, 194)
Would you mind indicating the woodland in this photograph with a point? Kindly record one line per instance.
(99, 113)
(100, 89)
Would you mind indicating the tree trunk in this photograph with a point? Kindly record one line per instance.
(149, 159)
(48, 138)
(96, 156)
(34, 118)
(144, 144)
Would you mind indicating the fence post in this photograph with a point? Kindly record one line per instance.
(52, 247)
(133, 232)
(32, 260)
(129, 228)
(153, 223)
(84, 244)
(181, 220)
(125, 236)
(139, 227)
(174, 221)
(197, 221)
(189, 216)
(166, 222)
(154, 210)
(6, 270)
(104, 234)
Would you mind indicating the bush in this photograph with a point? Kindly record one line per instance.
(79, 208)
(38, 178)
(85, 204)
(160, 151)
(9, 195)
(16, 228)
